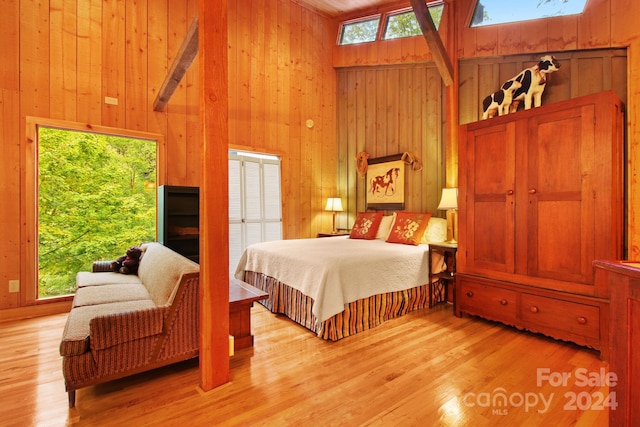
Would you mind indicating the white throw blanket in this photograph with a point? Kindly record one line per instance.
(337, 270)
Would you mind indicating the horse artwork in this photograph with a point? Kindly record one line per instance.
(385, 183)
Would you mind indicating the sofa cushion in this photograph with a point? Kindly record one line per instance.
(161, 270)
(75, 337)
(85, 278)
(104, 294)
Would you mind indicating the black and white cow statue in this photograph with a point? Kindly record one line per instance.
(533, 81)
(500, 101)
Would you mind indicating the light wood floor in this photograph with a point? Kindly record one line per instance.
(426, 368)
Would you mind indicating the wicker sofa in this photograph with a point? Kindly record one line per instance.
(120, 324)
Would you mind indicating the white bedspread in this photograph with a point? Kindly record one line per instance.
(337, 270)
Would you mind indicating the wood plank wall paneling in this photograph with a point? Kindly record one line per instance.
(158, 66)
(10, 191)
(63, 57)
(89, 63)
(136, 71)
(377, 115)
(9, 34)
(280, 75)
(581, 73)
(113, 62)
(605, 24)
(28, 70)
(178, 22)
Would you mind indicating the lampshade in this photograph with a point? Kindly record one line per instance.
(334, 204)
(449, 199)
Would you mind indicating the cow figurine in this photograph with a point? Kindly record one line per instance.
(500, 101)
(533, 81)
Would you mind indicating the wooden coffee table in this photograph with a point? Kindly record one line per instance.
(241, 298)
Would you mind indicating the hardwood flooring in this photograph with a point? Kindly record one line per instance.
(428, 368)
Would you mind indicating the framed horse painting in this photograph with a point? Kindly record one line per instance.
(385, 183)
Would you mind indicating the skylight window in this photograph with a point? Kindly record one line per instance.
(361, 31)
(405, 24)
(490, 12)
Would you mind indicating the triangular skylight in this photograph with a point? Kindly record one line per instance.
(490, 12)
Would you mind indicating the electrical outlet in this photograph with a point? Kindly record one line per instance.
(14, 285)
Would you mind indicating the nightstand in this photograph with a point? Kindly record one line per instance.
(446, 280)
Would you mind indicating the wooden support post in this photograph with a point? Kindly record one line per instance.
(214, 198)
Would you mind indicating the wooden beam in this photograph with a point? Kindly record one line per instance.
(181, 63)
(214, 197)
(434, 41)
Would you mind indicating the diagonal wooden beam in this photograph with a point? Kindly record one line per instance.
(181, 63)
(430, 33)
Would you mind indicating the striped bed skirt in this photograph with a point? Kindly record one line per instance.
(357, 316)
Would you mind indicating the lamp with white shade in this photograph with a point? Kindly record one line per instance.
(449, 203)
(334, 205)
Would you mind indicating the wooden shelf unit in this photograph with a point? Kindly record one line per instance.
(179, 219)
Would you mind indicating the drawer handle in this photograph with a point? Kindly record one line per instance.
(582, 320)
(469, 294)
(504, 302)
(532, 191)
(509, 192)
(534, 309)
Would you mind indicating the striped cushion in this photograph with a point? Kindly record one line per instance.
(75, 338)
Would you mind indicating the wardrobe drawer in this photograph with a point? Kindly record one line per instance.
(484, 300)
(580, 319)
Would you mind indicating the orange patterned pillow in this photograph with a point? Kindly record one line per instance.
(366, 225)
(409, 228)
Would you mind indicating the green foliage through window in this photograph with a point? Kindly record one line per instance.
(96, 197)
(359, 31)
(405, 24)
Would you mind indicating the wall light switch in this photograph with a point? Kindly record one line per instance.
(111, 101)
(14, 285)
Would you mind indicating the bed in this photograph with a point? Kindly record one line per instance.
(339, 286)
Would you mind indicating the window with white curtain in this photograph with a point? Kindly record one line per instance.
(255, 207)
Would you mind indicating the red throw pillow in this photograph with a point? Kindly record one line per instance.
(366, 225)
(409, 227)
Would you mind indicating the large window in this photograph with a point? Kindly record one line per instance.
(88, 195)
(96, 197)
(489, 12)
(255, 204)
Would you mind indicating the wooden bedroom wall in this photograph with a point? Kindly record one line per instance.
(390, 100)
(384, 111)
(282, 101)
(605, 24)
(581, 73)
(61, 58)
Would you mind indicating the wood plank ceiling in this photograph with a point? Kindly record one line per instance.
(336, 8)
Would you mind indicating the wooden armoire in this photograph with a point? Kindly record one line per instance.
(541, 196)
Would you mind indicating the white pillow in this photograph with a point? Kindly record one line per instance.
(385, 226)
(436, 230)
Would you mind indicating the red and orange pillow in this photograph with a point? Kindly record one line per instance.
(409, 228)
(366, 225)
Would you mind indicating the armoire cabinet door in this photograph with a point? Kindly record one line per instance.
(487, 198)
(560, 189)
